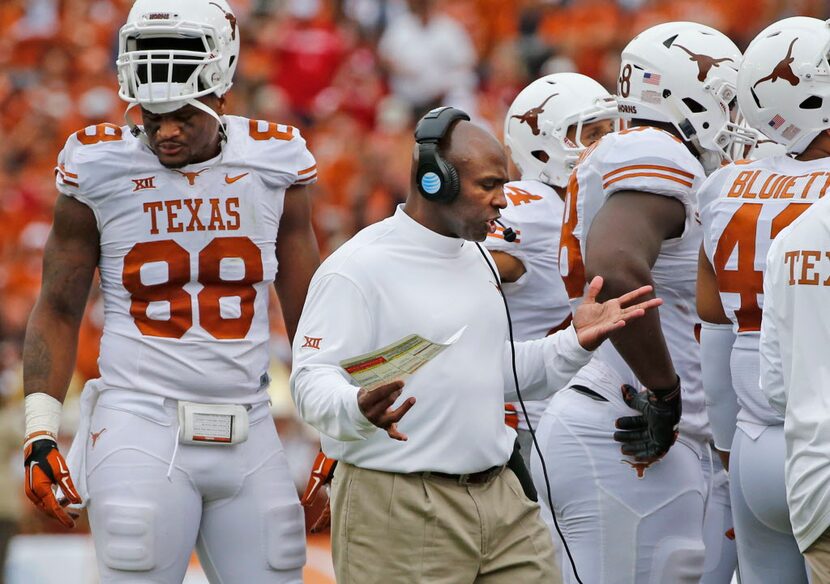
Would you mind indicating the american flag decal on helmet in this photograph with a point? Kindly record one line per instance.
(651, 78)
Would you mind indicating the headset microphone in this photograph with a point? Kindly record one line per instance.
(508, 233)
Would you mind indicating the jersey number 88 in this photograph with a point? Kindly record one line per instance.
(207, 300)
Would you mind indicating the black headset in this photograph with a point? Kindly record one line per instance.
(437, 178)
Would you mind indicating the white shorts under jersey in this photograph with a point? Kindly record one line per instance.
(742, 208)
(653, 161)
(538, 300)
(187, 256)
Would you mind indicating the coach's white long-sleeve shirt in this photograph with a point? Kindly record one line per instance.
(795, 363)
(396, 278)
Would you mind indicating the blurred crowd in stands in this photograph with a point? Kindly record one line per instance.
(353, 75)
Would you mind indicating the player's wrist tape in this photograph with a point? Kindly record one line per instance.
(668, 394)
(43, 417)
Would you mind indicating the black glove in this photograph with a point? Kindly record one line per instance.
(649, 436)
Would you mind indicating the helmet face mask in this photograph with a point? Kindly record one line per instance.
(167, 59)
(784, 82)
(684, 73)
(537, 123)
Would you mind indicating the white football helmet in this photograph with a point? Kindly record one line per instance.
(537, 122)
(685, 74)
(784, 81)
(170, 53)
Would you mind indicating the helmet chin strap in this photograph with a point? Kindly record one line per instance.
(167, 107)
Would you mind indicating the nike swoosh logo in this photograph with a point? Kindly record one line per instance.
(232, 179)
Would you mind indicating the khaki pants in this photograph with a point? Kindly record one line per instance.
(405, 529)
(818, 558)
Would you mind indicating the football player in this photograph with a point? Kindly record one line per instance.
(546, 128)
(743, 208)
(638, 515)
(181, 216)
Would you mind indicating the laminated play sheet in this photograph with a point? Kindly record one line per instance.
(396, 361)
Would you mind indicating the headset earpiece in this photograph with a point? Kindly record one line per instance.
(437, 178)
(453, 182)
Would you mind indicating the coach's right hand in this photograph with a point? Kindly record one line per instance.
(649, 436)
(45, 468)
(376, 405)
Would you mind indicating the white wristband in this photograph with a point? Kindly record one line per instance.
(43, 417)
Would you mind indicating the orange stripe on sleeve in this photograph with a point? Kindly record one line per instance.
(306, 179)
(649, 174)
(668, 169)
(65, 180)
(66, 172)
(307, 170)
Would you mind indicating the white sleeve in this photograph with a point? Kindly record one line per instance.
(772, 375)
(281, 154)
(716, 342)
(652, 161)
(544, 366)
(335, 325)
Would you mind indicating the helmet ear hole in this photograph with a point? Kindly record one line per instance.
(540, 155)
(694, 106)
(812, 102)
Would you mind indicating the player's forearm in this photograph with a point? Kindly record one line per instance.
(771, 379)
(716, 342)
(49, 353)
(299, 258)
(640, 343)
(297, 254)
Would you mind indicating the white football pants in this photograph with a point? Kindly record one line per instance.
(151, 502)
(767, 550)
(721, 553)
(620, 529)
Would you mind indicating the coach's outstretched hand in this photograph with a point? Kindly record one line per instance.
(594, 321)
(649, 436)
(376, 405)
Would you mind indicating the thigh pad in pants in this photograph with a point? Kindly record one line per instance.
(285, 537)
(678, 560)
(129, 531)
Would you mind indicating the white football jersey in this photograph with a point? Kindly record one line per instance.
(649, 160)
(538, 301)
(187, 256)
(743, 207)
